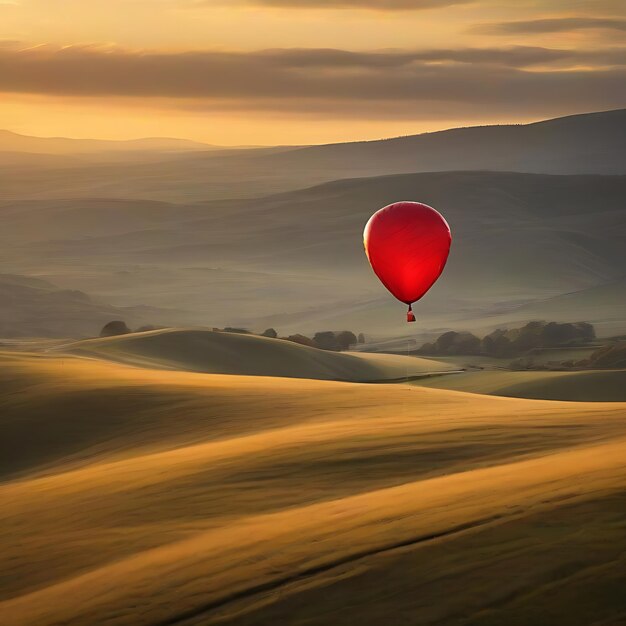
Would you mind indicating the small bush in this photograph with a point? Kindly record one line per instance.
(116, 327)
(325, 340)
(345, 339)
(301, 339)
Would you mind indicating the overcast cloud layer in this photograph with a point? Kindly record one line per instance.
(378, 5)
(251, 71)
(291, 77)
(554, 25)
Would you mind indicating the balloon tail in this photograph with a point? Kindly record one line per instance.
(410, 317)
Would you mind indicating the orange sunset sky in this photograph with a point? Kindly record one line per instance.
(235, 72)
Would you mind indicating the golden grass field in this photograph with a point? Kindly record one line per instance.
(135, 496)
(583, 386)
(198, 350)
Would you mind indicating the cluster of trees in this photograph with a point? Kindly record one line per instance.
(326, 340)
(513, 341)
(118, 327)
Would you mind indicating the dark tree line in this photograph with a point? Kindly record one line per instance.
(512, 341)
(324, 340)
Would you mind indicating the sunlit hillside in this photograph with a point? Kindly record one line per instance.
(151, 496)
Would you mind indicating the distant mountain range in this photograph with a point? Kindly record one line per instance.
(158, 232)
(176, 171)
(295, 260)
(32, 307)
(14, 142)
(591, 143)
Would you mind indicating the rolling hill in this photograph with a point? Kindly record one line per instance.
(295, 260)
(15, 142)
(36, 308)
(248, 355)
(143, 497)
(591, 143)
(526, 245)
(197, 350)
(578, 386)
(32, 307)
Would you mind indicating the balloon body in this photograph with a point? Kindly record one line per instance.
(407, 244)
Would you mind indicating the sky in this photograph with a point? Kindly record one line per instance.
(266, 72)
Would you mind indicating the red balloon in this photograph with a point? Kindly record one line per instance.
(407, 244)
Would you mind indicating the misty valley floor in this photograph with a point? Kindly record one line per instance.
(137, 496)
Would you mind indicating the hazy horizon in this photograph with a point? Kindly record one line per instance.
(209, 143)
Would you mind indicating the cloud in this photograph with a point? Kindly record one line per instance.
(553, 25)
(376, 5)
(326, 80)
(515, 57)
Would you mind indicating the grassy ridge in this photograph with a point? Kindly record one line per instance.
(581, 386)
(150, 497)
(248, 355)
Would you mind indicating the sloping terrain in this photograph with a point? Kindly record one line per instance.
(581, 386)
(525, 245)
(32, 307)
(590, 143)
(142, 497)
(579, 144)
(609, 356)
(36, 308)
(248, 355)
(295, 261)
(604, 304)
(14, 142)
